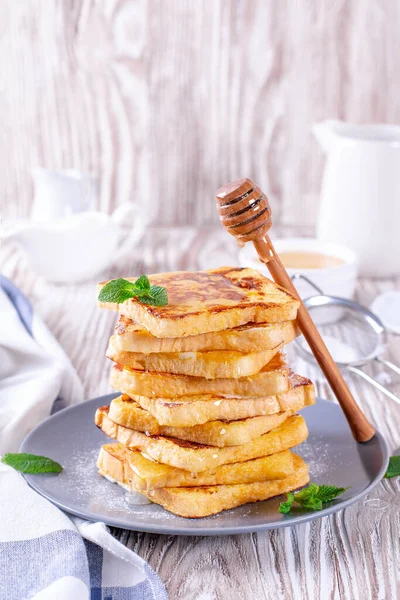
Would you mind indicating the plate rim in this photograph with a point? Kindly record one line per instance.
(284, 521)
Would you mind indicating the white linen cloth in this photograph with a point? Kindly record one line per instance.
(45, 554)
(34, 370)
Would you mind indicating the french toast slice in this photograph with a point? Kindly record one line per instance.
(211, 364)
(128, 413)
(139, 473)
(272, 379)
(197, 502)
(251, 337)
(190, 411)
(205, 301)
(198, 457)
(205, 501)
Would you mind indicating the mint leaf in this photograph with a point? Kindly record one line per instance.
(142, 283)
(157, 296)
(312, 497)
(119, 290)
(31, 463)
(327, 493)
(393, 469)
(285, 507)
(312, 503)
(307, 494)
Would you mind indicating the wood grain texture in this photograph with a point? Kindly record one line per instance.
(166, 100)
(352, 555)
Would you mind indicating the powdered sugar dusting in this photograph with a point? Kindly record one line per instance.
(82, 479)
(93, 492)
(317, 453)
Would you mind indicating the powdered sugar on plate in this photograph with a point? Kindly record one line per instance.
(317, 453)
(81, 478)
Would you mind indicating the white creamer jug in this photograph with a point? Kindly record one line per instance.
(66, 240)
(79, 247)
(360, 196)
(60, 194)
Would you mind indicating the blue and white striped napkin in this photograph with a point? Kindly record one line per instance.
(44, 554)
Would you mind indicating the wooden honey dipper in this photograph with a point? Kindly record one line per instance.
(245, 213)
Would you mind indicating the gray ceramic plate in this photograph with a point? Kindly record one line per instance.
(71, 438)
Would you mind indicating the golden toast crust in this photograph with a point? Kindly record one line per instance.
(272, 379)
(197, 502)
(129, 413)
(251, 337)
(189, 411)
(139, 473)
(196, 457)
(205, 501)
(211, 365)
(205, 301)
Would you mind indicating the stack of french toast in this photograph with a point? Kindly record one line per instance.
(207, 416)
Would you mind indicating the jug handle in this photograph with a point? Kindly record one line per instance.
(131, 218)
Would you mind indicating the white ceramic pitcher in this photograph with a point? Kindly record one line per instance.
(360, 196)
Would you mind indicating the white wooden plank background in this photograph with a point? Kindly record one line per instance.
(353, 555)
(168, 99)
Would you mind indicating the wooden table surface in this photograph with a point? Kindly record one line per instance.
(354, 554)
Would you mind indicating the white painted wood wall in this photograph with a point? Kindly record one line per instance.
(168, 99)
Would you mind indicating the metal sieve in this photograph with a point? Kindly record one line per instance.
(354, 335)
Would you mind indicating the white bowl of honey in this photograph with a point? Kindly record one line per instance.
(330, 267)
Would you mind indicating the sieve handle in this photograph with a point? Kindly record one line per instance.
(388, 364)
(307, 280)
(375, 383)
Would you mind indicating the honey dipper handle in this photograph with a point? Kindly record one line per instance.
(362, 430)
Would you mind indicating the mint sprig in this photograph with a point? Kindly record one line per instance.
(119, 290)
(393, 469)
(285, 507)
(312, 497)
(31, 463)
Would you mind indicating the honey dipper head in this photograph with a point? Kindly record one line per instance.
(244, 210)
